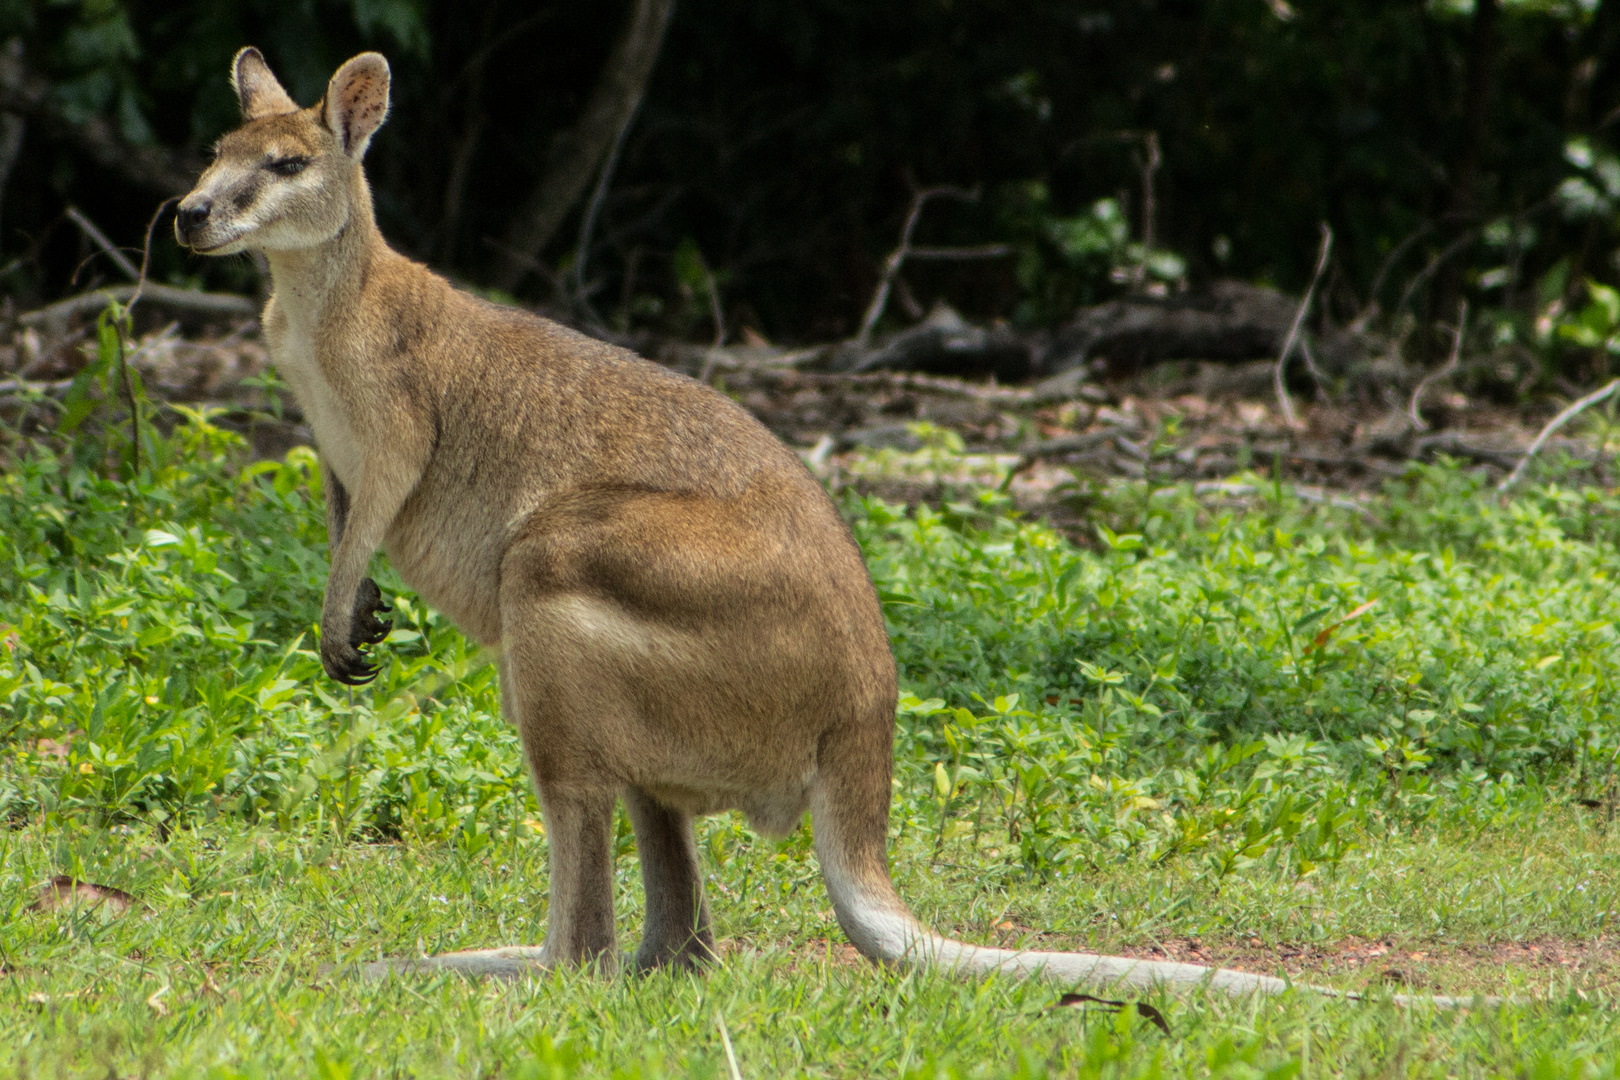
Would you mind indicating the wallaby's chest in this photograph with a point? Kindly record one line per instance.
(293, 351)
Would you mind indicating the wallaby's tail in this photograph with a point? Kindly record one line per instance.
(849, 807)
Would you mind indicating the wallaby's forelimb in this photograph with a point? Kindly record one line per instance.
(337, 506)
(371, 508)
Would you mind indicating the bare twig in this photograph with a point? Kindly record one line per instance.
(123, 345)
(1553, 425)
(1370, 312)
(961, 254)
(1450, 366)
(1149, 165)
(99, 238)
(891, 265)
(1468, 236)
(604, 181)
(1299, 321)
(577, 153)
(146, 250)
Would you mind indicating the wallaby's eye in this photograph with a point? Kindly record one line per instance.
(288, 166)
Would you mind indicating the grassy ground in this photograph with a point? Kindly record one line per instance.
(1370, 748)
(220, 968)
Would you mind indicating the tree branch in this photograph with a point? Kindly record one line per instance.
(224, 305)
(577, 152)
(1436, 376)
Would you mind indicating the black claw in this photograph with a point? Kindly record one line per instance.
(349, 667)
(347, 664)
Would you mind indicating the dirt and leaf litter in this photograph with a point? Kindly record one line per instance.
(927, 412)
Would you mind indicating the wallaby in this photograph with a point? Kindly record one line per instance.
(681, 617)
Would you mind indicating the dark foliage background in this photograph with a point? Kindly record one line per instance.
(779, 142)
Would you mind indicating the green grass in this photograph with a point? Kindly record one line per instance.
(1190, 728)
(238, 924)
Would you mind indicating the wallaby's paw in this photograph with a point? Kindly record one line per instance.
(345, 663)
(343, 660)
(365, 628)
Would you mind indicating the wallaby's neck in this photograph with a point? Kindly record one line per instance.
(311, 282)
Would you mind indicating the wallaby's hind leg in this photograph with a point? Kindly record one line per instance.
(677, 931)
(579, 927)
(579, 831)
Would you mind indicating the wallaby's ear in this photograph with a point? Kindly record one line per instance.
(357, 102)
(257, 88)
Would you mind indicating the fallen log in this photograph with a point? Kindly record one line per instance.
(227, 305)
(1229, 321)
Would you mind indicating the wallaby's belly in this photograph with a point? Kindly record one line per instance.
(447, 543)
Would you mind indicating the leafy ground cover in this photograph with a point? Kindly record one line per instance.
(1369, 747)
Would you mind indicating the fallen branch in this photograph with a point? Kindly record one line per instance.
(900, 380)
(223, 304)
(961, 254)
(1447, 369)
(1304, 494)
(29, 388)
(1299, 321)
(1553, 425)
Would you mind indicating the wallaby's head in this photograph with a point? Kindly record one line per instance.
(288, 178)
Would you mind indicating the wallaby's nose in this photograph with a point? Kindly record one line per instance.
(191, 218)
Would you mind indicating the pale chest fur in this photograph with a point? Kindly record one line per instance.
(292, 350)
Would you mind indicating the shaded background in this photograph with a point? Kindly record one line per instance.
(775, 147)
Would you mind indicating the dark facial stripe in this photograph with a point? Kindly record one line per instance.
(247, 192)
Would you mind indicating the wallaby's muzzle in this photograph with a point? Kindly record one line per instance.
(192, 216)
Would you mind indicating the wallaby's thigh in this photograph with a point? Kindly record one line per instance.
(695, 647)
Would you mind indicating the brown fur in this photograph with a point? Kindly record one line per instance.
(682, 618)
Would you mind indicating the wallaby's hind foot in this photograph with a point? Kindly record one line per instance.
(510, 963)
(678, 933)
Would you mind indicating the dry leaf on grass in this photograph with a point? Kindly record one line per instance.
(47, 999)
(63, 891)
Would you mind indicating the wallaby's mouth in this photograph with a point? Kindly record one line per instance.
(210, 249)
